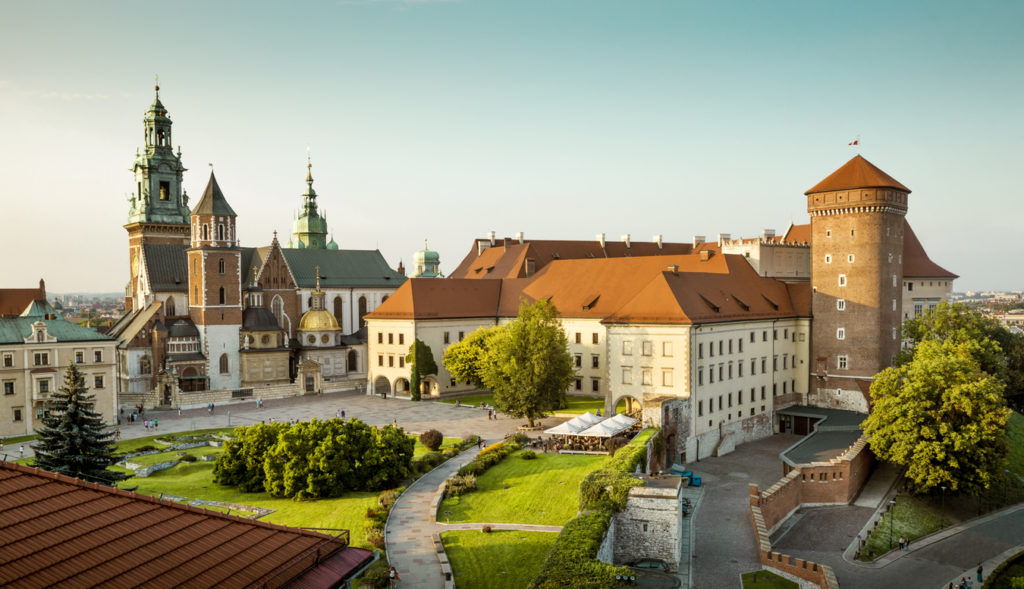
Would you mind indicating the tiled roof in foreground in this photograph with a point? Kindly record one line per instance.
(61, 532)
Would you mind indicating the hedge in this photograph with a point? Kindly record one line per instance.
(573, 561)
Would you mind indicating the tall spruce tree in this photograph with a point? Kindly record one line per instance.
(72, 441)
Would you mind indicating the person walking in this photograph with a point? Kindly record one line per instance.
(156, 424)
(901, 542)
(393, 579)
(21, 450)
(980, 570)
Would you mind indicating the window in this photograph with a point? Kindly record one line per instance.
(145, 366)
(627, 375)
(910, 286)
(462, 335)
(447, 337)
(842, 280)
(8, 387)
(380, 360)
(666, 349)
(206, 232)
(578, 360)
(401, 339)
(220, 295)
(44, 385)
(785, 333)
(764, 335)
(380, 337)
(97, 356)
(391, 338)
(720, 406)
(841, 333)
(165, 186)
(828, 258)
(391, 361)
(595, 361)
(79, 357)
(730, 400)
(646, 376)
(764, 362)
(711, 375)
(41, 358)
(751, 337)
(353, 361)
(739, 368)
(362, 311)
(739, 342)
(849, 258)
(894, 280)
(711, 349)
(721, 371)
(918, 309)
(595, 385)
(627, 347)
(666, 378)
(593, 338)
(17, 414)
(762, 392)
(894, 333)
(648, 348)
(700, 376)
(8, 360)
(775, 363)
(730, 345)
(401, 361)
(224, 366)
(730, 369)
(753, 366)
(784, 383)
(579, 337)
(894, 304)
(700, 351)
(720, 348)
(828, 233)
(700, 408)
(220, 232)
(775, 334)
(97, 381)
(751, 394)
(579, 384)
(220, 265)
(841, 304)
(842, 362)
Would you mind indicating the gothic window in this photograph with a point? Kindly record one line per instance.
(362, 311)
(169, 305)
(338, 311)
(224, 367)
(206, 232)
(220, 232)
(220, 263)
(277, 308)
(221, 295)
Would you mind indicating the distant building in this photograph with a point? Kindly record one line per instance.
(36, 347)
(426, 263)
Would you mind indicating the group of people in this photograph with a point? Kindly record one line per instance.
(968, 582)
(150, 424)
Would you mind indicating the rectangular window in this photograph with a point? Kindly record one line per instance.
(8, 360)
(380, 337)
(775, 334)
(700, 376)
(391, 338)
(595, 361)
(41, 358)
(97, 356)
(666, 349)
(751, 337)
(720, 406)
(44, 385)
(751, 394)
(593, 338)
(910, 286)
(97, 382)
(840, 333)
(711, 375)
(739, 397)
(785, 333)
(462, 335)
(648, 348)
(730, 345)
(401, 338)
(711, 349)
(842, 280)
(764, 335)
(720, 347)
(784, 383)
(627, 347)
(730, 400)
(700, 408)
(401, 361)
(775, 389)
(739, 342)
(17, 414)
(391, 360)
(775, 363)
(843, 362)
(627, 375)
(730, 369)
(595, 385)
(753, 366)
(764, 364)
(8, 387)
(739, 368)
(721, 372)
(380, 360)
(79, 357)
(762, 392)
(579, 337)
(700, 352)
(666, 378)
(579, 384)
(785, 361)
(918, 309)
(447, 337)
(578, 358)
(647, 376)
(841, 304)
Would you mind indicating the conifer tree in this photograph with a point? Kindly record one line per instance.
(72, 441)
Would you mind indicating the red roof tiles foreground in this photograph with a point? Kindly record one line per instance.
(61, 532)
(857, 173)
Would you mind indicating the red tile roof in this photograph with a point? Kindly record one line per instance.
(61, 532)
(916, 263)
(14, 300)
(798, 234)
(857, 173)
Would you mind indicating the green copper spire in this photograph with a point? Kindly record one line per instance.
(426, 263)
(309, 230)
(158, 197)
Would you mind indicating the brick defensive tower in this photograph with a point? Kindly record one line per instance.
(857, 219)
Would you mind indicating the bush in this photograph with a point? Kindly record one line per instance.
(432, 439)
(375, 536)
(188, 458)
(450, 453)
(460, 485)
(388, 498)
(432, 459)
(469, 440)
(520, 438)
(528, 455)
(613, 444)
(474, 468)
(486, 529)
(495, 447)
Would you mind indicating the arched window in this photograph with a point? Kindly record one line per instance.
(220, 265)
(206, 232)
(222, 295)
(169, 306)
(353, 361)
(224, 366)
(40, 336)
(384, 299)
(220, 232)
(338, 305)
(362, 311)
(277, 308)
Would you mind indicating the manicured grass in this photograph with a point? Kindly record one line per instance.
(446, 443)
(500, 559)
(541, 491)
(578, 404)
(766, 580)
(150, 459)
(915, 517)
(18, 440)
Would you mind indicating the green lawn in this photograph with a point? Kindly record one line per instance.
(500, 559)
(766, 580)
(915, 518)
(578, 404)
(543, 491)
(18, 440)
(446, 443)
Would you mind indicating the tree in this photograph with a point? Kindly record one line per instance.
(464, 359)
(241, 462)
(941, 416)
(528, 365)
(421, 363)
(72, 440)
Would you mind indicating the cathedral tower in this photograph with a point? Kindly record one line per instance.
(215, 285)
(309, 231)
(857, 225)
(158, 209)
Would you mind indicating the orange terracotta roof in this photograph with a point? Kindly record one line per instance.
(440, 298)
(857, 173)
(728, 290)
(800, 296)
(798, 234)
(508, 258)
(916, 263)
(60, 531)
(14, 300)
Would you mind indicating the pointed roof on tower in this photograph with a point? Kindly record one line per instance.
(213, 201)
(857, 173)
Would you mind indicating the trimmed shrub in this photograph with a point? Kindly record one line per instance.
(495, 447)
(469, 440)
(460, 485)
(188, 458)
(432, 459)
(432, 439)
(450, 453)
(613, 444)
(474, 468)
(528, 455)
(147, 448)
(375, 536)
(520, 438)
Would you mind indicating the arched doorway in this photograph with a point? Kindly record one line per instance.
(169, 307)
(353, 361)
(401, 386)
(629, 406)
(430, 387)
(381, 386)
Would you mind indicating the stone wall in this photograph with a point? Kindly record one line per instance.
(721, 441)
(649, 527)
(606, 552)
(200, 399)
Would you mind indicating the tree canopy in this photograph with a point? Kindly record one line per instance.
(421, 363)
(73, 441)
(525, 363)
(941, 416)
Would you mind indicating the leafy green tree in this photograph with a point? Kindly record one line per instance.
(73, 441)
(464, 359)
(421, 363)
(528, 365)
(241, 462)
(941, 416)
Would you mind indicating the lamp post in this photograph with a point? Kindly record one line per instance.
(892, 516)
(942, 518)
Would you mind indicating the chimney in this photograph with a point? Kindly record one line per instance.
(674, 269)
(625, 240)
(490, 237)
(519, 237)
(722, 238)
(657, 240)
(600, 239)
(705, 255)
(768, 234)
(697, 240)
(42, 287)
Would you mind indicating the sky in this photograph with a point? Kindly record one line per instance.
(443, 120)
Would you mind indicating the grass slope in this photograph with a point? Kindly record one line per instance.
(498, 560)
(578, 404)
(542, 491)
(766, 580)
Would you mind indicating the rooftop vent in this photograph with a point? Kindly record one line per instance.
(625, 240)
(705, 255)
(519, 237)
(600, 239)
(674, 269)
(657, 240)
(697, 240)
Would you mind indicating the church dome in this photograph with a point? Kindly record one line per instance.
(332, 245)
(318, 320)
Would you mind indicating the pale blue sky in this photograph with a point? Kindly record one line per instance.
(447, 119)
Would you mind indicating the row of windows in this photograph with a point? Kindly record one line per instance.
(448, 338)
(647, 376)
(43, 358)
(725, 369)
(910, 285)
(646, 348)
(594, 338)
(391, 338)
(43, 385)
(727, 398)
(595, 384)
(828, 258)
(595, 361)
(391, 360)
(726, 346)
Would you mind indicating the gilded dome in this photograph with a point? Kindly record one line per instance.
(318, 320)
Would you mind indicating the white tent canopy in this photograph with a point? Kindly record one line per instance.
(585, 420)
(565, 429)
(623, 419)
(605, 429)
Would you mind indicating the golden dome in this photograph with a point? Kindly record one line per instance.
(318, 320)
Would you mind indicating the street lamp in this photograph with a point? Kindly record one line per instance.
(942, 518)
(892, 516)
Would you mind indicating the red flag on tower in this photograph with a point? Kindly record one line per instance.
(855, 142)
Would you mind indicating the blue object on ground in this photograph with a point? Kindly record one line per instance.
(695, 480)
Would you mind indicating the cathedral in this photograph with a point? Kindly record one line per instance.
(207, 320)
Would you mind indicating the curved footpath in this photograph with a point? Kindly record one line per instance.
(409, 533)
